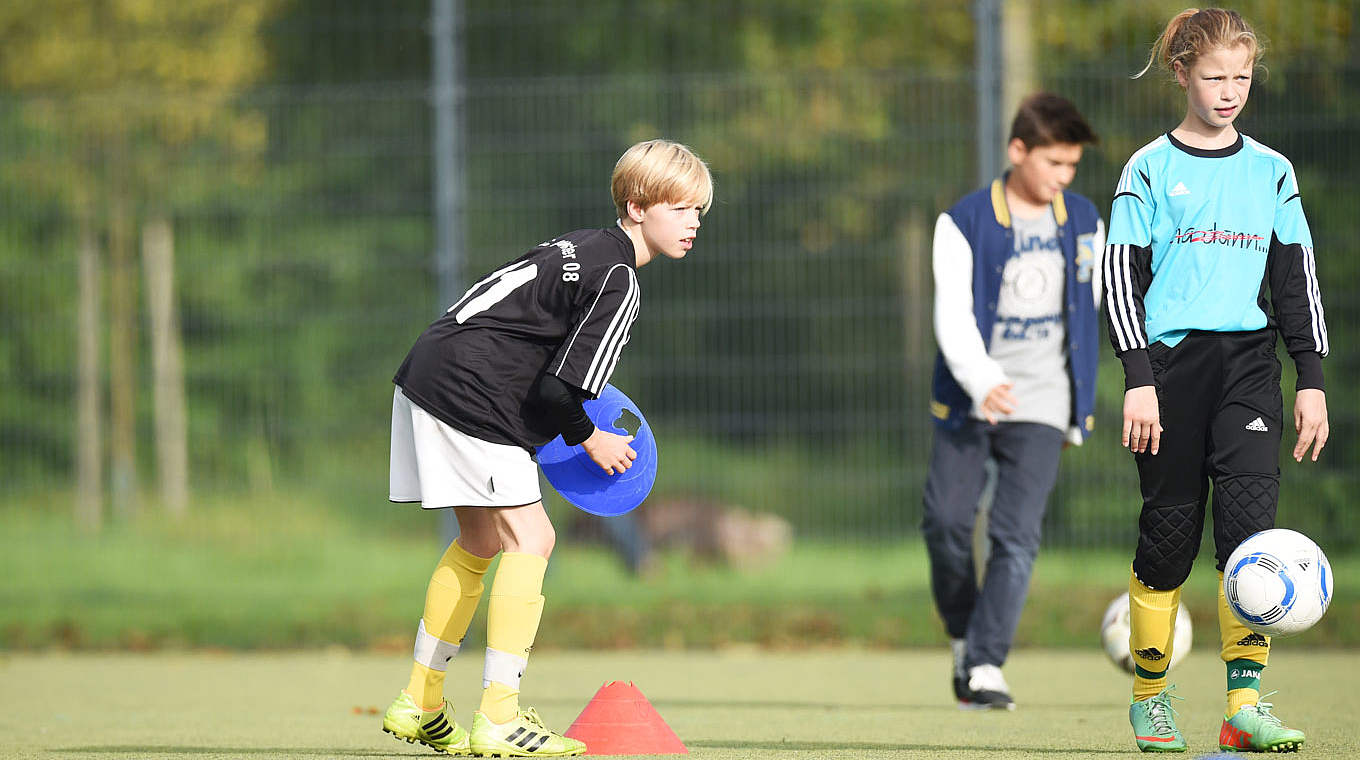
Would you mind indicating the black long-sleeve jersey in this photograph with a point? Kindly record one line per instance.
(564, 308)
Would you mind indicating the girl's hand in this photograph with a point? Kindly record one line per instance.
(1142, 420)
(610, 451)
(1310, 422)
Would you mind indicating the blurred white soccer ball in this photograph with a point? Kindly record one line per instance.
(1114, 634)
(1278, 582)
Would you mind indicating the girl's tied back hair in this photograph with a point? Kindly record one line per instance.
(1194, 32)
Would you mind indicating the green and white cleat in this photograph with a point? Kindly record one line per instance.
(1255, 729)
(525, 736)
(1154, 724)
(433, 728)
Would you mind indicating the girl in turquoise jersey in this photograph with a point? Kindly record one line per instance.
(1209, 257)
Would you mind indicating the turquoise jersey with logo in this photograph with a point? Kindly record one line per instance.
(1199, 237)
(1209, 218)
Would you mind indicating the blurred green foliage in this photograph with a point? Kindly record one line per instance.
(785, 365)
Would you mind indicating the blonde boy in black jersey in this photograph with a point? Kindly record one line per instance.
(502, 372)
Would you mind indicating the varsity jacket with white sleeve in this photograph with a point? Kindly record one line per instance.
(973, 241)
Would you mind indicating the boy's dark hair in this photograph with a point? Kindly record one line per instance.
(1045, 119)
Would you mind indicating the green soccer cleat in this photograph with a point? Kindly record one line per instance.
(1255, 729)
(433, 728)
(1154, 724)
(525, 736)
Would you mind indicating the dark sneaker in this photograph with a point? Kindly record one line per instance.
(959, 647)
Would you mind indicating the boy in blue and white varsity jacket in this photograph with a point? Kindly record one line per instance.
(1017, 296)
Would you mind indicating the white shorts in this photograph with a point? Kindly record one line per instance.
(439, 466)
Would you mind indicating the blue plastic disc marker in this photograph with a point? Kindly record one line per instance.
(580, 481)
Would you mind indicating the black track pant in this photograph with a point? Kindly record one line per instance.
(1221, 413)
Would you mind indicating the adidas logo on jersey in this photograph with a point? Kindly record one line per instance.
(1179, 190)
(1151, 653)
(1257, 425)
(1253, 640)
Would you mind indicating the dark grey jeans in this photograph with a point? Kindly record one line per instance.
(1026, 456)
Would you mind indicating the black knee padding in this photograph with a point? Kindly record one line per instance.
(1168, 540)
(1243, 505)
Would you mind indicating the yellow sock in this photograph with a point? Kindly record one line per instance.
(1152, 620)
(511, 625)
(1244, 652)
(450, 601)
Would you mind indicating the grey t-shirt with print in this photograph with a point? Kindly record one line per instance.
(1029, 338)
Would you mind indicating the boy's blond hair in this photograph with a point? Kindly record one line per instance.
(660, 171)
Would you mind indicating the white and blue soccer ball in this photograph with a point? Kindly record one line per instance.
(1114, 634)
(1278, 582)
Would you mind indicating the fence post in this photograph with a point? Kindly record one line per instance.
(987, 66)
(446, 28)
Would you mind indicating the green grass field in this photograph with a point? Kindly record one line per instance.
(734, 703)
(274, 629)
(274, 574)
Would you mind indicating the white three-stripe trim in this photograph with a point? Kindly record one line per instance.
(602, 366)
(1129, 331)
(615, 336)
(1315, 301)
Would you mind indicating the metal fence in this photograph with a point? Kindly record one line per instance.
(784, 364)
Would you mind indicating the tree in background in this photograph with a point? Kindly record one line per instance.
(294, 175)
(837, 131)
(123, 89)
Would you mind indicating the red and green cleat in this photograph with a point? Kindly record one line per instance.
(1154, 724)
(433, 728)
(1255, 729)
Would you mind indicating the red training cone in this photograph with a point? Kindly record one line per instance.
(620, 721)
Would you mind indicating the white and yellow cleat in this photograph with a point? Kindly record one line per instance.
(525, 736)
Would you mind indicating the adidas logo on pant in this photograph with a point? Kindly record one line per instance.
(1258, 425)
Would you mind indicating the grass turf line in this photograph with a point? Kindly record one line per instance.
(847, 703)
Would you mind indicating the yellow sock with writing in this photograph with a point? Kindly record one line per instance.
(450, 601)
(511, 624)
(1244, 654)
(1152, 623)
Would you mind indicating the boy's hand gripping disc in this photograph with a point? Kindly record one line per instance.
(580, 481)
